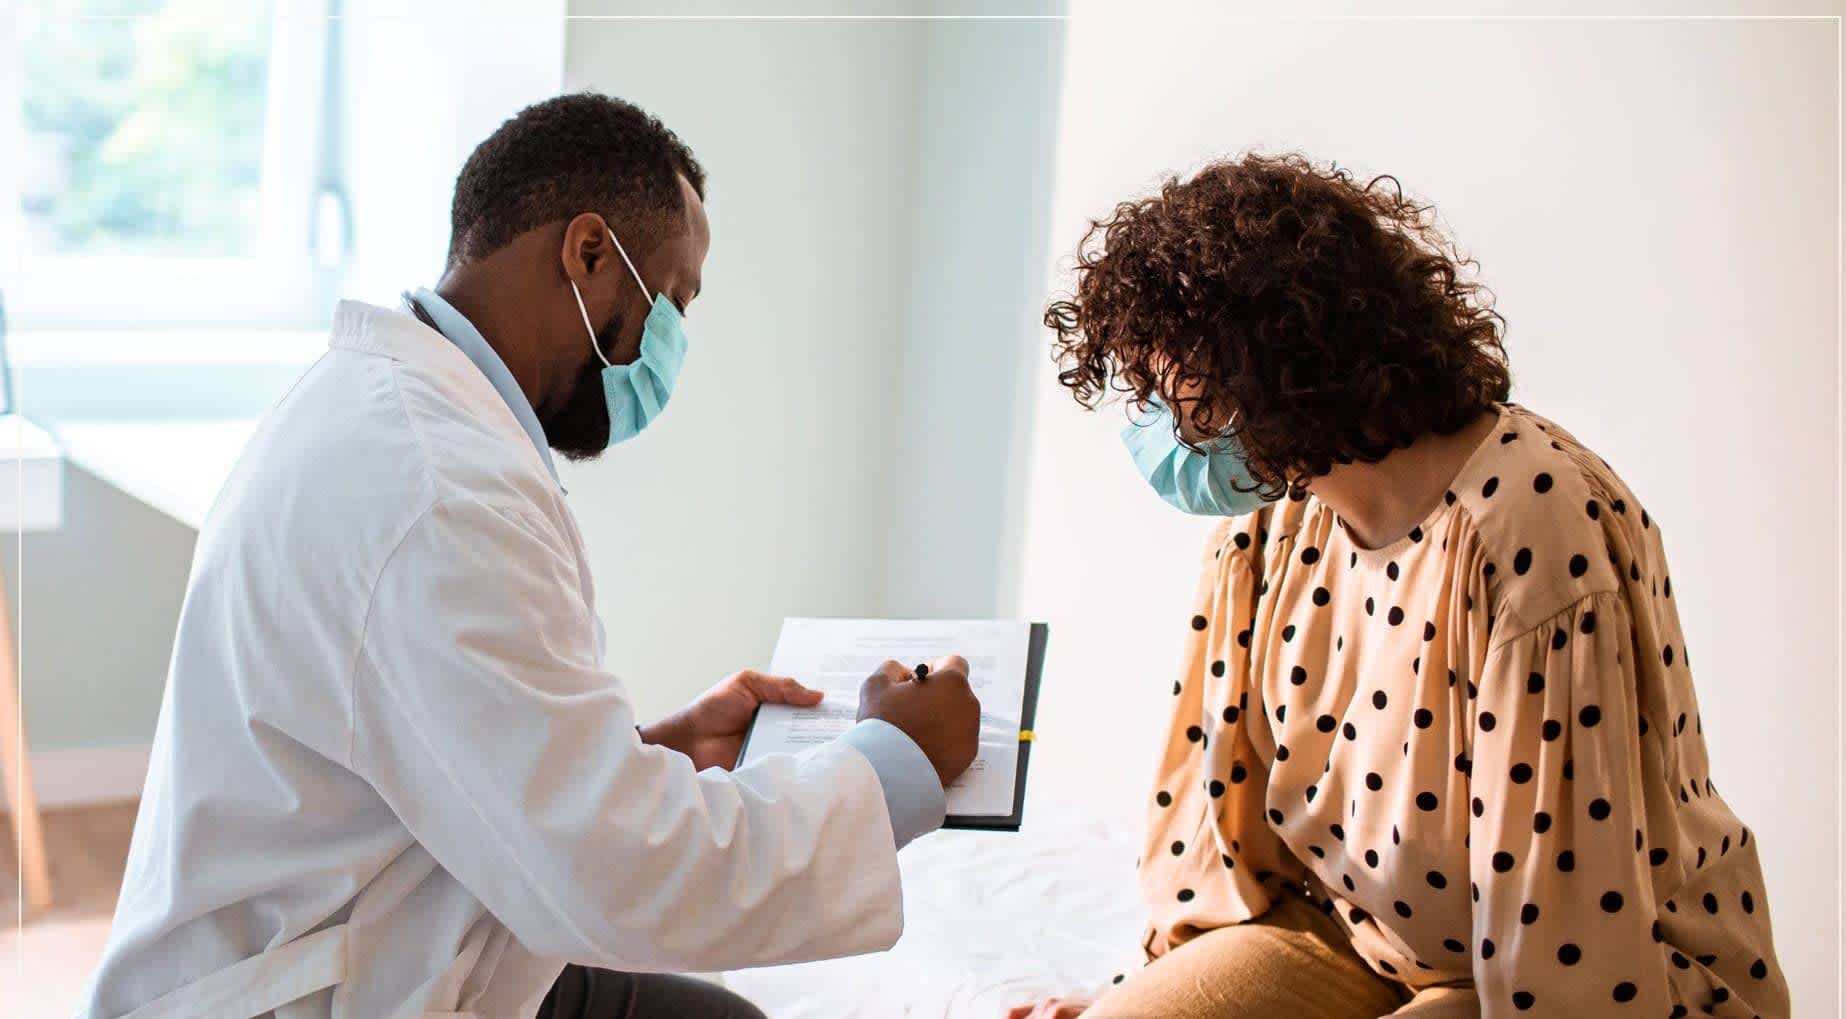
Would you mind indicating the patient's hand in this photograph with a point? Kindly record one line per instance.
(1068, 1007)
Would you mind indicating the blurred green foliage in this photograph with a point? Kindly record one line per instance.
(144, 125)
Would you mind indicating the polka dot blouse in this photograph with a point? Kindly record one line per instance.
(1478, 748)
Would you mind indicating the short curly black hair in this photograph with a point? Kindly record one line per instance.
(568, 155)
(1321, 321)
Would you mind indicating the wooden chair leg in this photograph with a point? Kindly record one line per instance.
(16, 768)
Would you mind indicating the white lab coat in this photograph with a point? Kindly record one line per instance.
(391, 777)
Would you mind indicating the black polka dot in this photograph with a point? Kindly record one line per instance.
(1521, 773)
(1523, 1000)
(1711, 903)
(1426, 801)
(1230, 715)
(1242, 540)
(1429, 631)
(1599, 809)
(1395, 616)
(1416, 534)
(1535, 683)
(1528, 914)
(1371, 858)
(1322, 596)
(1348, 731)
(1185, 895)
(1487, 721)
(1288, 633)
(1558, 639)
(1569, 954)
(1326, 723)
(1522, 561)
(1217, 668)
(1624, 991)
(1310, 555)
(1567, 861)
(1423, 718)
(1506, 437)
(1487, 948)
(1374, 781)
(1178, 848)
(1490, 487)
(1657, 856)
(1612, 902)
(1541, 822)
(1618, 505)
(1759, 969)
(1198, 622)
(1243, 639)
(1379, 700)
(1453, 945)
(1551, 730)
(1579, 565)
(1216, 788)
(1176, 688)
(1588, 624)
(1391, 570)
(1502, 861)
(1478, 807)
(1589, 716)
(1238, 773)
(1164, 798)
(1749, 903)
(1592, 509)
(1541, 484)
(1370, 606)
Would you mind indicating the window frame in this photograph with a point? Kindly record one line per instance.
(282, 284)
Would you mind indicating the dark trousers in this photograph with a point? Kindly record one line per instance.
(585, 993)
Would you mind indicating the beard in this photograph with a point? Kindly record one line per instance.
(579, 428)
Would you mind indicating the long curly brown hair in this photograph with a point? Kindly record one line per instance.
(1319, 320)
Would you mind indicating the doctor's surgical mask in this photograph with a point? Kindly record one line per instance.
(637, 393)
(1205, 483)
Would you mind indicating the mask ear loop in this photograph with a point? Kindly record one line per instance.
(581, 310)
(631, 266)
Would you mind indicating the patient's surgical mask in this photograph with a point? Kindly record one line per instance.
(637, 393)
(1204, 483)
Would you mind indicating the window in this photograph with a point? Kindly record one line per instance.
(174, 165)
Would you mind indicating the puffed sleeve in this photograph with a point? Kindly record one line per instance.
(1564, 909)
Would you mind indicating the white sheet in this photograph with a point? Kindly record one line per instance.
(991, 920)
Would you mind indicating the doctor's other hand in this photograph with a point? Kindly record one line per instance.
(1051, 1008)
(941, 714)
(711, 729)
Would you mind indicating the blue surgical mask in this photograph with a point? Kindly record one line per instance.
(636, 393)
(1191, 481)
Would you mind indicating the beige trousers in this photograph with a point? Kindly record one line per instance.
(1294, 962)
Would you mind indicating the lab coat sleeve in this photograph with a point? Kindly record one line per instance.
(483, 718)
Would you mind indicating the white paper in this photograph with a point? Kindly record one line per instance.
(835, 656)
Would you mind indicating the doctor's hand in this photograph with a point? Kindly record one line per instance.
(711, 729)
(940, 713)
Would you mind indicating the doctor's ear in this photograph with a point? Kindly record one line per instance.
(586, 247)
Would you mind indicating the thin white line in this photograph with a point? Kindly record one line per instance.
(1839, 495)
(1203, 16)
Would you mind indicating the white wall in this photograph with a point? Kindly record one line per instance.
(1656, 205)
(763, 491)
(987, 105)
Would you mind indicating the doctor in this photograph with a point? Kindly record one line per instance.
(391, 776)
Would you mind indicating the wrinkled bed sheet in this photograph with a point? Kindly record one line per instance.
(991, 920)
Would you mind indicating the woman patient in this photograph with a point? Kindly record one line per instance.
(1434, 750)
